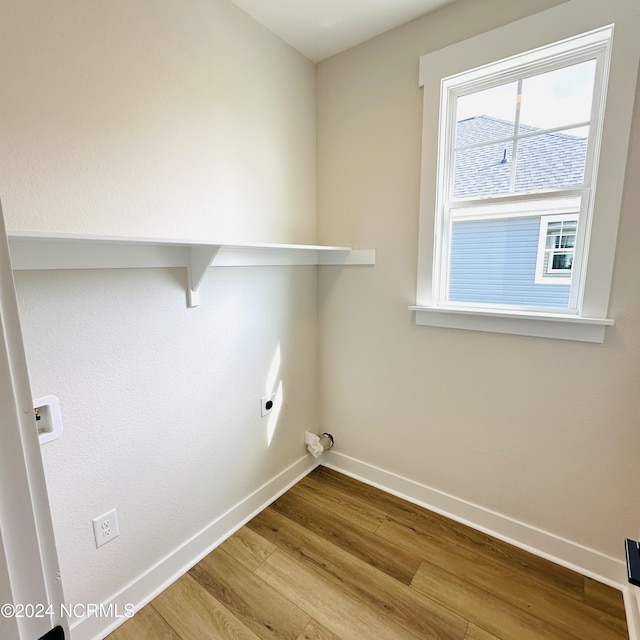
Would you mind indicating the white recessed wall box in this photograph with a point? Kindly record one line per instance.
(48, 418)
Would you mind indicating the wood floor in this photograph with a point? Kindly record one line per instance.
(334, 559)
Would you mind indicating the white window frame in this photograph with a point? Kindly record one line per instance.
(587, 318)
(591, 46)
(541, 276)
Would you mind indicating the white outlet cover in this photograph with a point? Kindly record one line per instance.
(106, 528)
(265, 408)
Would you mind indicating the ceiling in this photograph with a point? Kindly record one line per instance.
(322, 28)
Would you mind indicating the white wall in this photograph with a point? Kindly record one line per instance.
(154, 117)
(166, 119)
(159, 118)
(544, 432)
(161, 403)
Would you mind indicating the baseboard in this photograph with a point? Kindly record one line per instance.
(631, 597)
(564, 552)
(148, 585)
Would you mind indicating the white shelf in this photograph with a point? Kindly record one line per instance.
(43, 251)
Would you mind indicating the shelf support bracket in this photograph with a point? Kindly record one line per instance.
(200, 259)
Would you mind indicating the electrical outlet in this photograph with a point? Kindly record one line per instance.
(105, 528)
(267, 403)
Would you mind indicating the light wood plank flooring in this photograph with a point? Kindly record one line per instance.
(335, 559)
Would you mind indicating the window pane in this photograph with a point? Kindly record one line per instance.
(553, 229)
(482, 171)
(562, 261)
(486, 115)
(567, 242)
(493, 261)
(558, 98)
(551, 160)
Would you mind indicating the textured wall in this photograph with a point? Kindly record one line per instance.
(159, 118)
(161, 403)
(154, 118)
(543, 431)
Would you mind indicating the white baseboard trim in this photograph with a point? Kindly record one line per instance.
(586, 561)
(156, 579)
(631, 597)
(564, 552)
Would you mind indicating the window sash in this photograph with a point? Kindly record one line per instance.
(556, 24)
(594, 45)
(571, 204)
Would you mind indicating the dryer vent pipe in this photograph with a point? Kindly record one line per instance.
(317, 445)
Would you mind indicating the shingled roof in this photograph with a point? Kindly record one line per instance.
(545, 161)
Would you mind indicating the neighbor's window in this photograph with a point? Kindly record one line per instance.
(517, 160)
(556, 246)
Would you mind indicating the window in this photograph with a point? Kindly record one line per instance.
(513, 133)
(521, 237)
(498, 254)
(556, 246)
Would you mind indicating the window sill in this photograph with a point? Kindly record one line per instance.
(541, 325)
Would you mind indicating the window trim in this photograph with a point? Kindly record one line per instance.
(559, 23)
(540, 325)
(593, 45)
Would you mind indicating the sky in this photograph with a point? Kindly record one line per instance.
(553, 99)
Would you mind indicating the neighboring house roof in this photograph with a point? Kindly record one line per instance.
(544, 161)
